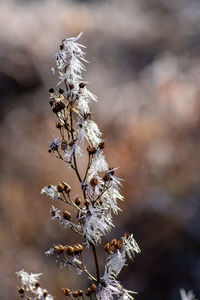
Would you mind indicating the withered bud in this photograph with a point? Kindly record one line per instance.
(66, 215)
(101, 145)
(80, 292)
(58, 249)
(107, 248)
(75, 294)
(60, 188)
(61, 91)
(61, 47)
(100, 201)
(77, 201)
(119, 244)
(37, 284)
(58, 125)
(45, 293)
(88, 292)
(66, 292)
(93, 288)
(51, 90)
(69, 250)
(71, 86)
(81, 84)
(91, 150)
(94, 181)
(21, 290)
(67, 187)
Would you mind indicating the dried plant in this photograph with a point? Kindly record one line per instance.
(99, 187)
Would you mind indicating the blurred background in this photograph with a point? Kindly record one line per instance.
(145, 69)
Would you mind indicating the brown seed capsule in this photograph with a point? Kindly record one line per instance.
(100, 201)
(87, 202)
(45, 293)
(93, 288)
(75, 294)
(77, 201)
(101, 145)
(107, 248)
(112, 248)
(66, 215)
(76, 249)
(66, 292)
(64, 145)
(91, 150)
(58, 125)
(88, 292)
(67, 188)
(21, 290)
(113, 242)
(60, 188)
(93, 181)
(69, 250)
(81, 85)
(71, 86)
(119, 244)
(58, 249)
(106, 177)
(51, 90)
(37, 284)
(80, 247)
(80, 292)
(127, 235)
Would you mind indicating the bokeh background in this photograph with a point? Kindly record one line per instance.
(145, 68)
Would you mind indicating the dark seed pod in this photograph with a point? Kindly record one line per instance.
(60, 188)
(51, 90)
(88, 292)
(101, 145)
(93, 181)
(51, 102)
(91, 150)
(21, 291)
(127, 235)
(81, 85)
(106, 177)
(69, 250)
(119, 244)
(45, 293)
(61, 91)
(37, 284)
(75, 294)
(71, 86)
(66, 215)
(93, 288)
(80, 292)
(67, 188)
(107, 248)
(58, 249)
(58, 125)
(66, 292)
(77, 201)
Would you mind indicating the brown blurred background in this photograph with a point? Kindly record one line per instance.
(145, 69)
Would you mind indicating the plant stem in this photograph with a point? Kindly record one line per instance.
(96, 261)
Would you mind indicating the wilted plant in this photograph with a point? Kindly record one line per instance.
(100, 188)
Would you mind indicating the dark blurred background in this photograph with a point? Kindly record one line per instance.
(145, 69)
